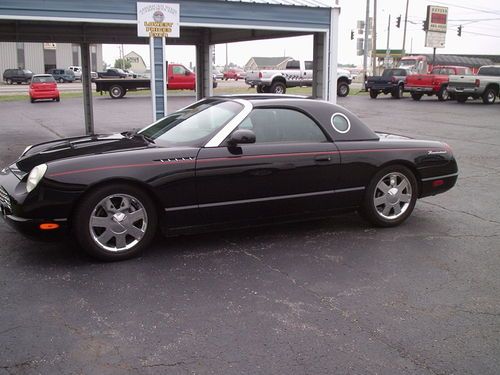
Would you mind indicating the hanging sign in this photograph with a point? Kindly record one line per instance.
(157, 20)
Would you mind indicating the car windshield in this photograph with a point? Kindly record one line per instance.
(407, 63)
(43, 79)
(194, 125)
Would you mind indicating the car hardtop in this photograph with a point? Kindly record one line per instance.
(394, 72)
(321, 111)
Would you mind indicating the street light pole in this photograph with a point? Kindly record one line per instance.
(374, 38)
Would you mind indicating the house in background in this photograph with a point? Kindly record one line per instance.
(137, 62)
(256, 63)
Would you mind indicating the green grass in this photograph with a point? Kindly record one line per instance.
(217, 91)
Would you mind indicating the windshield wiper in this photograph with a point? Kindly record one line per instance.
(134, 133)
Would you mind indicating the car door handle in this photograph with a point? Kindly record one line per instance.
(323, 158)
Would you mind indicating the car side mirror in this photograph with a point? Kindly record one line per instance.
(241, 136)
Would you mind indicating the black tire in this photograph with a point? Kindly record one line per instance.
(373, 94)
(266, 89)
(373, 214)
(489, 96)
(461, 98)
(9, 81)
(278, 88)
(443, 94)
(397, 93)
(84, 234)
(259, 89)
(342, 89)
(58, 99)
(416, 96)
(61, 80)
(32, 100)
(117, 92)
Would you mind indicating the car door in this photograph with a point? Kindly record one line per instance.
(307, 73)
(293, 74)
(292, 168)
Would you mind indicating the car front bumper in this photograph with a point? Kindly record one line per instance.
(13, 198)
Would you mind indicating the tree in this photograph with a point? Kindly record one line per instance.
(125, 64)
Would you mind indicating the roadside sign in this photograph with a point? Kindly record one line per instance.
(435, 39)
(158, 20)
(437, 18)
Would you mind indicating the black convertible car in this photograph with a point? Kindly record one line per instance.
(232, 160)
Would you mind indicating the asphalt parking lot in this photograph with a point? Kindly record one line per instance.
(333, 296)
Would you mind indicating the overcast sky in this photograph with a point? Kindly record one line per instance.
(480, 34)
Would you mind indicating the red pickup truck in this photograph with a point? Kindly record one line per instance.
(434, 83)
(179, 78)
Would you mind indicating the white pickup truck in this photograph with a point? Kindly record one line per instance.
(296, 73)
(486, 85)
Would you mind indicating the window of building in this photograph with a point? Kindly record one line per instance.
(75, 48)
(93, 58)
(20, 55)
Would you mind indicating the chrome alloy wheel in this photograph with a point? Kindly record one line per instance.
(392, 195)
(118, 222)
(490, 96)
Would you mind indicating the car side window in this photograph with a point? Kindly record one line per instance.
(178, 70)
(293, 64)
(277, 125)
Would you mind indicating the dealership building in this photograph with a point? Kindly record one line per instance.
(40, 57)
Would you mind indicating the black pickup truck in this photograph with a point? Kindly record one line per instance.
(112, 73)
(391, 81)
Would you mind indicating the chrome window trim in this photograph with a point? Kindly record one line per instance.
(346, 118)
(231, 125)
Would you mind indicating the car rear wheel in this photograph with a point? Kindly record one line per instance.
(58, 99)
(61, 80)
(390, 197)
(115, 222)
(443, 94)
(416, 96)
(278, 88)
(259, 89)
(32, 100)
(489, 95)
(373, 94)
(9, 81)
(116, 92)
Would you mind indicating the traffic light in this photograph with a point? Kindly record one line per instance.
(425, 25)
(352, 34)
(459, 30)
(398, 22)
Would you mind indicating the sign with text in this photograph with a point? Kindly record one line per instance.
(437, 18)
(156, 20)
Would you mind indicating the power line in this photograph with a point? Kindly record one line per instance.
(472, 32)
(489, 11)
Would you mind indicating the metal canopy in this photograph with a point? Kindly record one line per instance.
(203, 23)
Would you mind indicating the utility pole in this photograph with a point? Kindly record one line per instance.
(374, 38)
(387, 50)
(227, 62)
(365, 49)
(403, 52)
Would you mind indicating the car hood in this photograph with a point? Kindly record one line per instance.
(77, 146)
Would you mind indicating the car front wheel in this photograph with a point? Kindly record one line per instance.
(278, 88)
(115, 222)
(390, 197)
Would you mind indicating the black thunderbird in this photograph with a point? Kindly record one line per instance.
(223, 161)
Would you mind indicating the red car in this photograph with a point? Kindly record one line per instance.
(43, 86)
(235, 74)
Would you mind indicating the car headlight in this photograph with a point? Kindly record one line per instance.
(35, 176)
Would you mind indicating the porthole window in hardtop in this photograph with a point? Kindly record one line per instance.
(341, 123)
(282, 125)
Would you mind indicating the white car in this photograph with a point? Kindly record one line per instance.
(77, 70)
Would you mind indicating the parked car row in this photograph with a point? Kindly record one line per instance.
(446, 82)
(73, 73)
